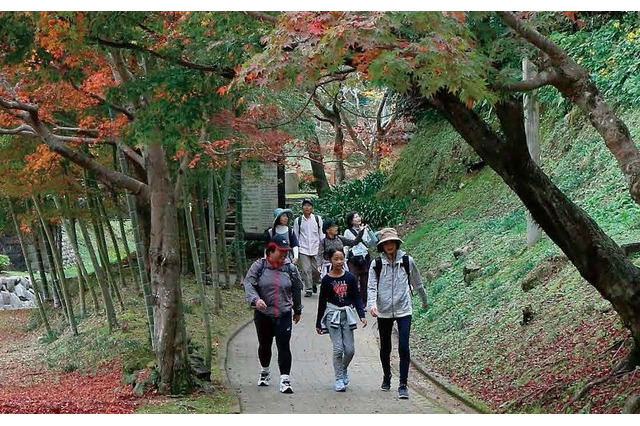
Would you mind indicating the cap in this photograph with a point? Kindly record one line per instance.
(307, 200)
(280, 242)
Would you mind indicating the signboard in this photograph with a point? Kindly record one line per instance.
(260, 195)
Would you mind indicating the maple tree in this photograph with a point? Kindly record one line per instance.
(147, 84)
(438, 60)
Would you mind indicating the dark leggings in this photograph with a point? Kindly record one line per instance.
(269, 327)
(361, 271)
(385, 326)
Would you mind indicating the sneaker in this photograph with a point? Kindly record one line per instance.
(339, 386)
(285, 384)
(315, 288)
(345, 377)
(403, 391)
(386, 383)
(307, 294)
(265, 376)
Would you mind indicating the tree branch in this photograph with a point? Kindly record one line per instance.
(545, 77)
(223, 72)
(261, 16)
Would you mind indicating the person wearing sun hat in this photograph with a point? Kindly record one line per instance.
(273, 288)
(389, 299)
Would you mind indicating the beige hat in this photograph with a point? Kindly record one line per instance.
(388, 234)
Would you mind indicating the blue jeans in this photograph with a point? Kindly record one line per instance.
(385, 326)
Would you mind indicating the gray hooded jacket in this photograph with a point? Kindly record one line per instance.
(392, 295)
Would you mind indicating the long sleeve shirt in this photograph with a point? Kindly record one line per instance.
(341, 291)
(309, 233)
(280, 287)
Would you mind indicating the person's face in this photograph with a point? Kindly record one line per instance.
(357, 220)
(337, 259)
(284, 219)
(332, 231)
(278, 255)
(390, 247)
(307, 208)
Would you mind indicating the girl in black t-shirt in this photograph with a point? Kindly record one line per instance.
(339, 295)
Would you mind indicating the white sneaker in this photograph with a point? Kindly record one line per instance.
(265, 376)
(285, 384)
(339, 386)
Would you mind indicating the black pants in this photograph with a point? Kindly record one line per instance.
(385, 327)
(359, 267)
(269, 327)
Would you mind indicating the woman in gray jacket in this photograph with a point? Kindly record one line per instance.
(389, 299)
(273, 287)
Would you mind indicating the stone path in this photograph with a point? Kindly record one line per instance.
(312, 376)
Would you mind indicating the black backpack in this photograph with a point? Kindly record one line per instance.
(377, 267)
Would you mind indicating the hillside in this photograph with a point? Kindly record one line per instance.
(472, 332)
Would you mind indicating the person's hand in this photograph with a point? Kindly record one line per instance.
(373, 311)
(319, 268)
(363, 321)
(296, 318)
(295, 260)
(425, 305)
(261, 304)
(318, 330)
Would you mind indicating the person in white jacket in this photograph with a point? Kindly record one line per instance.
(389, 299)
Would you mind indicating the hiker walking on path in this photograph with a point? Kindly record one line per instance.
(389, 299)
(338, 296)
(358, 259)
(272, 286)
(332, 240)
(281, 220)
(308, 230)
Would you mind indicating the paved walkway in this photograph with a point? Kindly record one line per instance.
(312, 376)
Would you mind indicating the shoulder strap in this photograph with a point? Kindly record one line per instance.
(377, 267)
(299, 219)
(317, 221)
(407, 269)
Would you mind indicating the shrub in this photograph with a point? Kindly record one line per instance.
(361, 195)
(4, 262)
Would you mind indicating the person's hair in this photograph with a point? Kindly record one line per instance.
(349, 218)
(330, 252)
(381, 250)
(270, 249)
(328, 223)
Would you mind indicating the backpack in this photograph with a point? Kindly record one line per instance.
(263, 265)
(299, 219)
(377, 267)
(271, 231)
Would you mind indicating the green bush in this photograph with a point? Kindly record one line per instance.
(361, 196)
(4, 262)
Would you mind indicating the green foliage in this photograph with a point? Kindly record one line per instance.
(361, 196)
(4, 262)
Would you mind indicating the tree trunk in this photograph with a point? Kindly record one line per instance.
(213, 253)
(102, 211)
(532, 130)
(38, 294)
(41, 268)
(169, 326)
(198, 273)
(338, 150)
(100, 278)
(576, 84)
(597, 257)
(57, 262)
(317, 164)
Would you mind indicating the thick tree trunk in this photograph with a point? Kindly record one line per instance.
(317, 165)
(597, 257)
(169, 326)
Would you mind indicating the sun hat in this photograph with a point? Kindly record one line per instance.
(279, 212)
(388, 234)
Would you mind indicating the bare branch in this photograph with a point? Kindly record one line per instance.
(543, 78)
(261, 16)
(354, 137)
(22, 129)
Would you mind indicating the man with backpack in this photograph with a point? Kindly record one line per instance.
(308, 230)
(391, 277)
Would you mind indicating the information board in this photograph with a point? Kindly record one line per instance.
(259, 195)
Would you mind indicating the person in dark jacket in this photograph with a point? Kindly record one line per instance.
(339, 295)
(282, 224)
(333, 240)
(273, 287)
